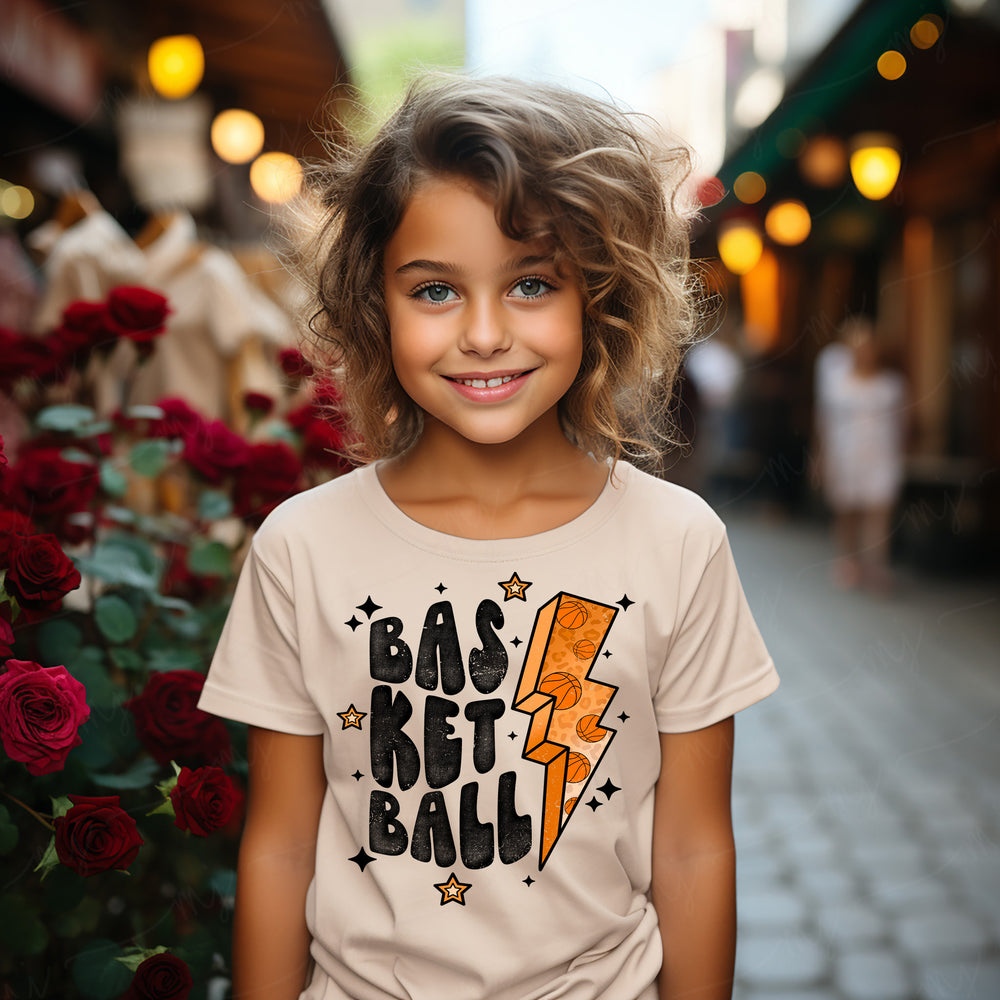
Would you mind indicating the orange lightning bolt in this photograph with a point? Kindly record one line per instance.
(565, 704)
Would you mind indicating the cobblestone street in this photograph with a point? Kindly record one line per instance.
(867, 789)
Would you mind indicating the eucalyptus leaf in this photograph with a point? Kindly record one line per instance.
(126, 659)
(174, 658)
(122, 559)
(223, 881)
(139, 775)
(149, 458)
(113, 481)
(76, 455)
(214, 505)
(210, 559)
(144, 412)
(115, 618)
(64, 418)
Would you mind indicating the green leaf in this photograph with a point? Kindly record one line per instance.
(21, 929)
(120, 515)
(149, 458)
(172, 603)
(282, 432)
(77, 455)
(113, 480)
(94, 428)
(139, 775)
(223, 881)
(134, 957)
(61, 806)
(166, 807)
(214, 505)
(126, 659)
(210, 559)
(96, 973)
(143, 412)
(176, 658)
(122, 559)
(63, 890)
(59, 642)
(49, 859)
(115, 618)
(64, 418)
(9, 833)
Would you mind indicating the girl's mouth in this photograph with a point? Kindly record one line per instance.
(492, 388)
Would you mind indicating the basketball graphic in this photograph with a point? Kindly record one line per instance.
(577, 768)
(569, 805)
(589, 729)
(584, 649)
(564, 687)
(572, 614)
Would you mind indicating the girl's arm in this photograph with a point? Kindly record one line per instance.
(276, 864)
(694, 864)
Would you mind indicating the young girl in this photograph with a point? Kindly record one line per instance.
(490, 675)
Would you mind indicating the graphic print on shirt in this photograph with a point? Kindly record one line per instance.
(421, 680)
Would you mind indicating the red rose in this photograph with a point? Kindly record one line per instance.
(171, 726)
(6, 630)
(178, 420)
(293, 364)
(95, 835)
(259, 402)
(45, 482)
(40, 574)
(82, 329)
(271, 474)
(14, 529)
(136, 313)
(41, 709)
(160, 977)
(215, 451)
(203, 800)
(322, 443)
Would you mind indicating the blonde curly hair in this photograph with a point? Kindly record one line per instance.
(559, 166)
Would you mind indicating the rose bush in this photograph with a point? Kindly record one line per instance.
(41, 711)
(203, 800)
(160, 977)
(96, 835)
(137, 313)
(39, 574)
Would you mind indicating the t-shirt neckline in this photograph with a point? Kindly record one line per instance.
(376, 500)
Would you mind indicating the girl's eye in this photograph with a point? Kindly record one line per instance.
(433, 293)
(531, 288)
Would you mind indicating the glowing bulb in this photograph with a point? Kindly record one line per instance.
(788, 222)
(891, 64)
(875, 164)
(824, 161)
(740, 246)
(176, 65)
(276, 177)
(749, 187)
(237, 135)
(17, 202)
(926, 31)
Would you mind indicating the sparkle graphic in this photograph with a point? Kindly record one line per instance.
(514, 588)
(624, 717)
(352, 718)
(595, 803)
(353, 623)
(369, 607)
(452, 891)
(565, 704)
(362, 858)
(357, 776)
(608, 788)
(515, 642)
(529, 881)
(625, 602)
(440, 588)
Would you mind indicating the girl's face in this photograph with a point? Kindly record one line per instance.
(486, 334)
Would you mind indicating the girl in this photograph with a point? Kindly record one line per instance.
(490, 675)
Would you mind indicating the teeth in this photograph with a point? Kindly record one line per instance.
(485, 383)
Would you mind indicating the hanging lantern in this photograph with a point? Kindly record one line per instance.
(740, 245)
(276, 177)
(875, 163)
(176, 65)
(788, 222)
(237, 135)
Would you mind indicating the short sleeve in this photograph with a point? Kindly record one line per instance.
(255, 676)
(716, 663)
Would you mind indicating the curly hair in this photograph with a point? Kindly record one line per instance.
(559, 166)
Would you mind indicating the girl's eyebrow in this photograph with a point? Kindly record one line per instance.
(514, 264)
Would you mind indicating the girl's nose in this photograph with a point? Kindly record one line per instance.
(484, 331)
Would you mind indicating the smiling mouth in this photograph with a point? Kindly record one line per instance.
(487, 383)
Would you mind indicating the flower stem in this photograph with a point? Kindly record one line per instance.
(41, 819)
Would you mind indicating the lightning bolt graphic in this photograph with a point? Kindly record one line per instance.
(565, 704)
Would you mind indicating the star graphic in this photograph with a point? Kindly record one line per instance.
(362, 858)
(594, 803)
(452, 891)
(514, 588)
(608, 788)
(515, 642)
(357, 776)
(369, 607)
(607, 654)
(513, 736)
(353, 622)
(352, 718)
(529, 881)
(440, 588)
(624, 716)
(625, 602)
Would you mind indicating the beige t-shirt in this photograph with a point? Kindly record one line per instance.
(490, 714)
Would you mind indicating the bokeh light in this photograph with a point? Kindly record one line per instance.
(788, 222)
(824, 161)
(875, 163)
(891, 64)
(176, 65)
(237, 135)
(740, 245)
(749, 187)
(926, 31)
(276, 177)
(16, 202)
